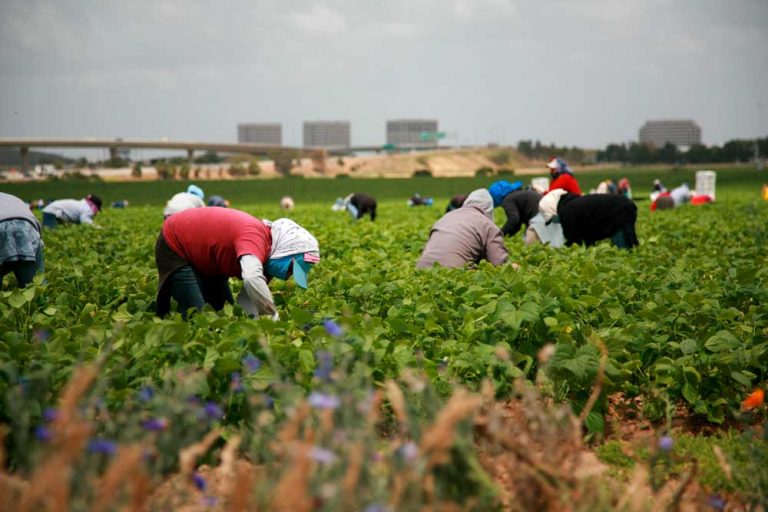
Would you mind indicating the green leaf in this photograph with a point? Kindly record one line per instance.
(722, 341)
(741, 378)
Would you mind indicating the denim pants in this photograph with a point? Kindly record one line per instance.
(50, 220)
(24, 270)
(191, 290)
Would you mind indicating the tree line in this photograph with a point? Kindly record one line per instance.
(736, 150)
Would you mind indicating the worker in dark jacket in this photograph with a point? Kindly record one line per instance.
(589, 219)
(456, 202)
(519, 205)
(360, 204)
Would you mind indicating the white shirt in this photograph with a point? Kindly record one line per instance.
(255, 297)
(71, 210)
(182, 201)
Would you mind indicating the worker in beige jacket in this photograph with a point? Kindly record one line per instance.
(466, 235)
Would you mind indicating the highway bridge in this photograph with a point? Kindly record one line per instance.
(113, 145)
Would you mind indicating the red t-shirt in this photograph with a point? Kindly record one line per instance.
(213, 239)
(566, 182)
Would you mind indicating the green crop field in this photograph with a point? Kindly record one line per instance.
(678, 327)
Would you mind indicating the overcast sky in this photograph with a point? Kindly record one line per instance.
(574, 72)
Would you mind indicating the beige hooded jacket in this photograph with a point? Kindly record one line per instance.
(466, 235)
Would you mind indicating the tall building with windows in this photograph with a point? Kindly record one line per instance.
(680, 132)
(327, 134)
(260, 133)
(412, 133)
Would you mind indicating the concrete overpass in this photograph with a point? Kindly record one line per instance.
(113, 145)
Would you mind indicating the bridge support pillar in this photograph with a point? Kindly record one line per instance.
(112, 153)
(24, 151)
(191, 156)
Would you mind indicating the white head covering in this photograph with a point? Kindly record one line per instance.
(481, 198)
(548, 203)
(289, 238)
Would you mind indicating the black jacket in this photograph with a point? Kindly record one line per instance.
(520, 206)
(589, 219)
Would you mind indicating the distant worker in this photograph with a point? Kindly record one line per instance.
(417, 200)
(199, 249)
(21, 245)
(587, 220)
(465, 236)
(625, 188)
(456, 202)
(562, 177)
(286, 203)
(675, 198)
(123, 203)
(360, 204)
(519, 205)
(192, 198)
(63, 211)
(218, 201)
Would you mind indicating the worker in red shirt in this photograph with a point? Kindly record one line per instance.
(562, 177)
(199, 249)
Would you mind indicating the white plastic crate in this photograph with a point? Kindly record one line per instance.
(705, 183)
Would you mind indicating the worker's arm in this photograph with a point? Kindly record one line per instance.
(495, 250)
(256, 289)
(513, 223)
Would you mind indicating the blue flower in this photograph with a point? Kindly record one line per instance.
(146, 393)
(102, 446)
(408, 452)
(716, 502)
(322, 455)
(324, 401)
(210, 501)
(376, 507)
(43, 434)
(50, 414)
(235, 382)
(666, 443)
(213, 410)
(251, 363)
(42, 335)
(155, 424)
(199, 481)
(324, 366)
(332, 328)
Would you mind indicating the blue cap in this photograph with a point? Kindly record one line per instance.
(195, 191)
(501, 188)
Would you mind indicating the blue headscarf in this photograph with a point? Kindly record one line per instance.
(501, 188)
(559, 166)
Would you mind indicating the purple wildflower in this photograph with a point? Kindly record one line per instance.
(50, 414)
(324, 365)
(156, 424)
(332, 328)
(43, 434)
(42, 335)
(146, 393)
(235, 382)
(199, 481)
(213, 410)
(716, 502)
(269, 402)
(324, 401)
(251, 363)
(408, 452)
(666, 443)
(322, 455)
(377, 507)
(209, 501)
(102, 446)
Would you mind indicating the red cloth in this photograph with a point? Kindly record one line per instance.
(213, 239)
(655, 204)
(566, 182)
(701, 199)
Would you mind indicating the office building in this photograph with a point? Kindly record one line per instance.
(260, 133)
(681, 133)
(412, 133)
(327, 134)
